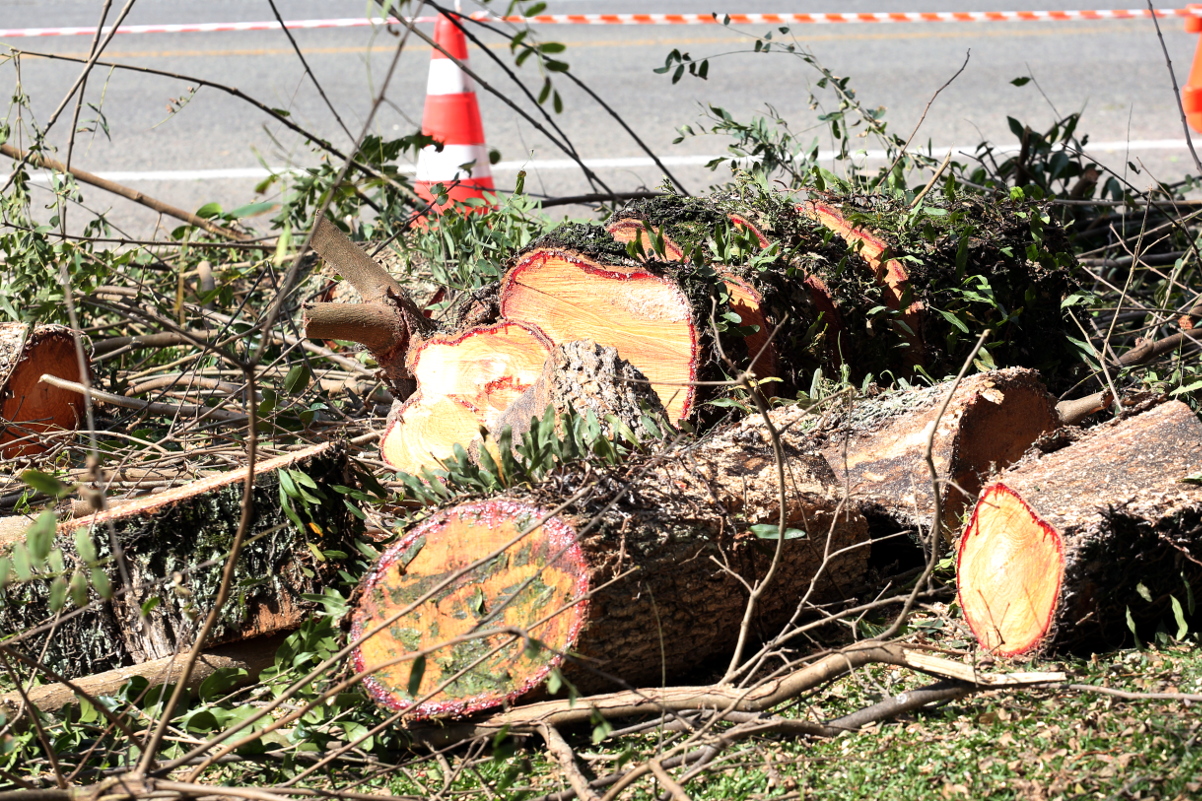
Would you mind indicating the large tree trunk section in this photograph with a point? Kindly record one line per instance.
(175, 545)
(662, 221)
(878, 445)
(464, 381)
(639, 578)
(944, 273)
(29, 408)
(1062, 549)
(578, 283)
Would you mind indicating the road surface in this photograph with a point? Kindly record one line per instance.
(214, 147)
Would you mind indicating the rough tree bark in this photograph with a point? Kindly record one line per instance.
(1070, 549)
(878, 444)
(639, 573)
(174, 548)
(28, 408)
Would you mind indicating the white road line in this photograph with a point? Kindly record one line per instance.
(631, 162)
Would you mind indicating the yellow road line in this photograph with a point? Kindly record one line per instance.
(966, 31)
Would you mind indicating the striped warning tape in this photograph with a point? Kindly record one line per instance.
(639, 19)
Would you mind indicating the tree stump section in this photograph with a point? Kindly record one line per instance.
(465, 381)
(578, 283)
(175, 545)
(28, 408)
(1072, 549)
(675, 228)
(637, 577)
(878, 445)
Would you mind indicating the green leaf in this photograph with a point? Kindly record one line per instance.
(46, 484)
(1144, 592)
(297, 380)
(40, 537)
(1023, 81)
(100, 580)
(6, 569)
(84, 546)
(21, 563)
(208, 211)
(415, 675)
(770, 531)
(58, 593)
(1179, 617)
(79, 588)
(251, 209)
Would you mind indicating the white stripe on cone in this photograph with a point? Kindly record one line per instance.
(446, 78)
(434, 167)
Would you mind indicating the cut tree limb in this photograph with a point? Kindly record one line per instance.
(251, 656)
(1072, 549)
(29, 408)
(173, 550)
(639, 578)
(388, 322)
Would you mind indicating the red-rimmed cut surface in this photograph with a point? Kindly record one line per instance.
(463, 382)
(645, 317)
(1009, 571)
(490, 632)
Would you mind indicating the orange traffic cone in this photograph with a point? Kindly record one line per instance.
(452, 117)
(1191, 93)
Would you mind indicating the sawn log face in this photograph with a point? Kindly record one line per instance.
(1061, 549)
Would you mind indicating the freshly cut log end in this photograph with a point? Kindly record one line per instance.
(1009, 566)
(465, 381)
(28, 407)
(1070, 549)
(569, 296)
(536, 584)
(745, 300)
(887, 271)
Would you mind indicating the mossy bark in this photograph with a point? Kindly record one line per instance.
(174, 548)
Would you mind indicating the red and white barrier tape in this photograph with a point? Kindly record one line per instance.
(638, 19)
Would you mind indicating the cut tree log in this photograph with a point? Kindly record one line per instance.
(916, 287)
(464, 381)
(29, 409)
(638, 573)
(878, 445)
(1073, 549)
(174, 548)
(578, 283)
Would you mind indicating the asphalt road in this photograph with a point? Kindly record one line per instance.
(1112, 71)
